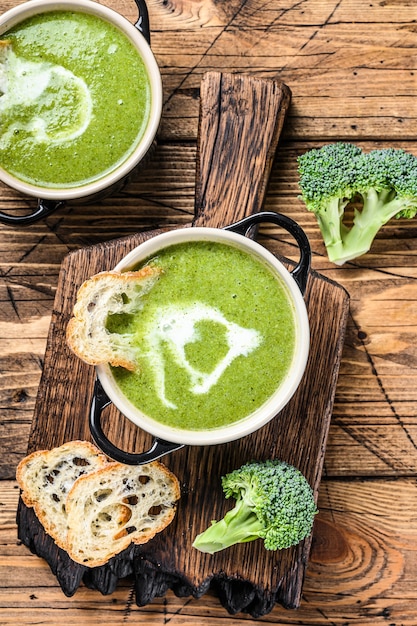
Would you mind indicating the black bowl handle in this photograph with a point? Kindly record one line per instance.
(43, 209)
(142, 23)
(301, 270)
(159, 447)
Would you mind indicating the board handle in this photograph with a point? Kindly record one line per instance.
(240, 122)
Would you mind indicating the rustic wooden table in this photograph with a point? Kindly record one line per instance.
(351, 68)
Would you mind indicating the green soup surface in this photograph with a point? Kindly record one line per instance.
(75, 99)
(215, 337)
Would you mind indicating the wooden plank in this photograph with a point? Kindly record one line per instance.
(344, 76)
(318, 50)
(162, 194)
(204, 14)
(354, 548)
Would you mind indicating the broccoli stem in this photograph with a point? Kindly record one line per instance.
(238, 526)
(332, 227)
(378, 208)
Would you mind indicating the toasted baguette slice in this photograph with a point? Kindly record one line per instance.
(105, 294)
(46, 477)
(116, 506)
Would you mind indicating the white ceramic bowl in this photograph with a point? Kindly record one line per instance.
(282, 395)
(33, 7)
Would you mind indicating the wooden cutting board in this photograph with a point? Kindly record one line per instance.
(241, 118)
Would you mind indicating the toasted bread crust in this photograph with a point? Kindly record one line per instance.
(103, 294)
(114, 509)
(46, 476)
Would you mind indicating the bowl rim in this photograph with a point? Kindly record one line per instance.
(275, 403)
(21, 12)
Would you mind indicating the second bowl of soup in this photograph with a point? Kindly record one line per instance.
(81, 98)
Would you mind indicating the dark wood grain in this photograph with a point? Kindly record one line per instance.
(240, 122)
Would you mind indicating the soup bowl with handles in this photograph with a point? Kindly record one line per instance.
(167, 438)
(53, 197)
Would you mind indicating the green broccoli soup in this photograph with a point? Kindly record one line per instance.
(215, 337)
(74, 99)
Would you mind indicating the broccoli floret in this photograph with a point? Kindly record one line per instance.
(274, 502)
(382, 184)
